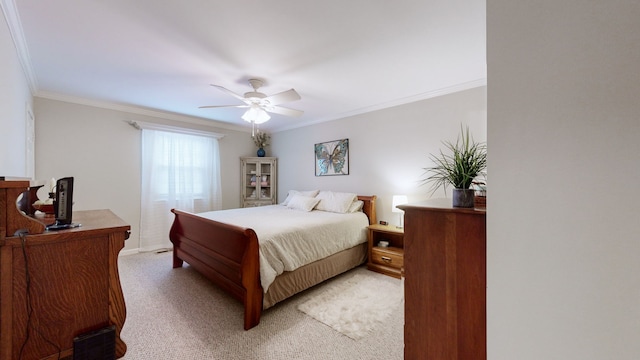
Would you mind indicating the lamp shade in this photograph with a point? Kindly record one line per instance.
(398, 200)
(255, 115)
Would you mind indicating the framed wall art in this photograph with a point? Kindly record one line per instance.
(332, 157)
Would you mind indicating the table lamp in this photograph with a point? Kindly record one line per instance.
(399, 200)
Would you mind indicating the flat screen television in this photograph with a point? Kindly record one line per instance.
(63, 205)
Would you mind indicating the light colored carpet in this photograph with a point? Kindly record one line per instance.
(179, 314)
(356, 306)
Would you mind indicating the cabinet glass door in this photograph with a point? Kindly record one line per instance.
(251, 175)
(265, 181)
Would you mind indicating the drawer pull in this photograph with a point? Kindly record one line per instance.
(386, 259)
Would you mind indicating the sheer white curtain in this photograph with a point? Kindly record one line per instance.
(181, 171)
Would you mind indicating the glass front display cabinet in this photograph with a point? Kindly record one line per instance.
(259, 181)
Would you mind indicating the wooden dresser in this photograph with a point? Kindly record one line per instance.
(74, 285)
(445, 282)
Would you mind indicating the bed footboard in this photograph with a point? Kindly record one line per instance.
(225, 254)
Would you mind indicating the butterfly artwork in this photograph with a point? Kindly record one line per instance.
(332, 158)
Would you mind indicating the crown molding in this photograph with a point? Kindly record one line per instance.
(222, 125)
(140, 111)
(419, 97)
(12, 18)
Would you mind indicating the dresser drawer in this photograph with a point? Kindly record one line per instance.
(389, 256)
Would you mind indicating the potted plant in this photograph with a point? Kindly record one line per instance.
(459, 166)
(261, 139)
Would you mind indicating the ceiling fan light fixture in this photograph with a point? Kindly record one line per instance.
(256, 115)
(260, 104)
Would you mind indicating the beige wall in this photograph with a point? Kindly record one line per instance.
(563, 213)
(102, 152)
(388, 149)
(15, 100)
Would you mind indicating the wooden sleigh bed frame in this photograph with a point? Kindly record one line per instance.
(228, 256)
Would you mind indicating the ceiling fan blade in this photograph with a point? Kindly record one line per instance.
(283, 97)
(222, 106)
(284, 111)
(239, 97)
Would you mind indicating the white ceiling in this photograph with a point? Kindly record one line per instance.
(343, 57)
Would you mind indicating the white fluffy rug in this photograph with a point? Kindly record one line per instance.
(356, 306)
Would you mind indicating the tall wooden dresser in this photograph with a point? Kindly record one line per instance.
(445, 282)
(57, 285)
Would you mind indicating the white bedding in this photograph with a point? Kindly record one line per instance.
(291, 238)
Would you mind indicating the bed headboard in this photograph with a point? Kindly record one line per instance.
(369, 207)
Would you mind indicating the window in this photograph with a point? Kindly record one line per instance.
(179, 170)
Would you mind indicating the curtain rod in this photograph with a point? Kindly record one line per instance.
(141, 125)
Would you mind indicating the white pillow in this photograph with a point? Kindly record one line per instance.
(338, 202)
(304, 203)
(356, 206)
(309, 193)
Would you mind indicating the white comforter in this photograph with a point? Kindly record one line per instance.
(292, 238)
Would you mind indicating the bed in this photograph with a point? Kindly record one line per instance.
(228, 254)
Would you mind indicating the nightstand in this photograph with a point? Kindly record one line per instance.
(386, 260)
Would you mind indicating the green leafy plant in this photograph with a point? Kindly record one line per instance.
(463, 161)
(261, 139)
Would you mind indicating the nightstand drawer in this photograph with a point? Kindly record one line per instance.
(389, 256)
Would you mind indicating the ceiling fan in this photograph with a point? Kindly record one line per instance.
(260, 104)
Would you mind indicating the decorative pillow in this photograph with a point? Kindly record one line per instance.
(309, 193)
(338, 202)
(304, 203)
(356, 206)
